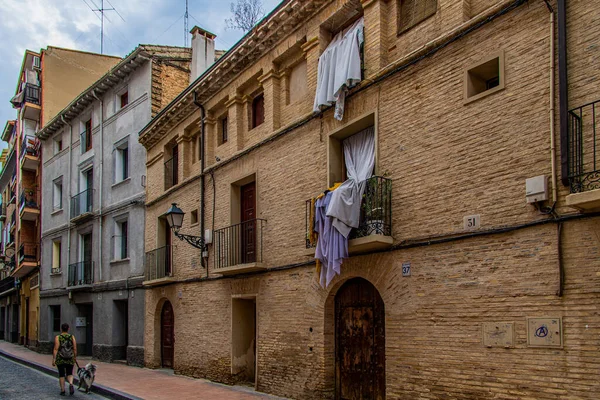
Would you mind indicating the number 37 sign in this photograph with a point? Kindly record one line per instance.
(406, 269)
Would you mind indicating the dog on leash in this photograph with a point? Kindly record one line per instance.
(86, 377)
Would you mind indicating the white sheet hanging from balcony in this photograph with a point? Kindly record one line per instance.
(359, 154)
(339, 68)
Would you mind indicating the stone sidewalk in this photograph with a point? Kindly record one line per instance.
(119, 381)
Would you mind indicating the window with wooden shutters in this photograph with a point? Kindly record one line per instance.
(412, 12)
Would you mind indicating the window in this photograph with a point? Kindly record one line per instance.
(258, 110)
(223, 125)
(56, 256)
(121, 248)
(484, 77)
(172, 168)
(194, 217)
(86, 136)
(55, 313)
(57, 195)
(121, 161)
(58, 144)
(124, 99)
(413, 12)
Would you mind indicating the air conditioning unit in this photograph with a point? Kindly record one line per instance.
(36, 63)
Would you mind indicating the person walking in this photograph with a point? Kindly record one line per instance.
(64, 356)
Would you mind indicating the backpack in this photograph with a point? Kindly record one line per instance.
(65, 351)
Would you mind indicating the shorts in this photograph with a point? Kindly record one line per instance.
(65, 370)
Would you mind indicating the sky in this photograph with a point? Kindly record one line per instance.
(36, 24)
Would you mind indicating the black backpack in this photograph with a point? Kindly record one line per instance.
(65, 351)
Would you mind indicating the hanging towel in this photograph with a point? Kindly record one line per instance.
(339, 68)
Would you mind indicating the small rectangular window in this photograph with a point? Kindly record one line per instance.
(125, 161)
(194, 217)
(86, 136)
(223, 130)
(121, 239)
(55, 313)
(57, 195)
(124, 99)
(121, 162)
(56, 256)
(413, 12)
(258, 110)
(484, 77)
(58, 144)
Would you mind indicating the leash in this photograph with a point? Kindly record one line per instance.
(78, 367)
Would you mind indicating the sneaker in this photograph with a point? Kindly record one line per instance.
(62, 394)
(71, 390)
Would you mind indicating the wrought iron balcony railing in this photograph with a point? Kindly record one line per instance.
(29, 252)
(7, 284)
(239, 244)
(159, 263)
(13, 219)
(82, 203)
(30, 146)
(171, 172)
(375, 211)
(584, 148)
(30, 198)
(81, 273)
(32, 94)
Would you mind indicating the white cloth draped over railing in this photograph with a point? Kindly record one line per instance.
(339, 68)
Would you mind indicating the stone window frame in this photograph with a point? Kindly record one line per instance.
(470, 73)
(117, 247)
(121, 161)
(57, 183)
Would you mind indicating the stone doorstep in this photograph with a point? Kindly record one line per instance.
(96, 388)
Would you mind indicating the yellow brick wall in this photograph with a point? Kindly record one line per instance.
(447, 160)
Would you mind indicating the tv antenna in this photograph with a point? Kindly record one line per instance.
(101, 10)
(186, 28)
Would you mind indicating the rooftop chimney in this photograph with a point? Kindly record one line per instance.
(203, 51)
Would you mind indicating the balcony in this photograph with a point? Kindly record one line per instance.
(28, 259)
(583, 158)
(29, 204)
(238, 248)
(30, 153)
(374, 231)
(81, 275)
(2, 212)
(6, 285)
(82, 206)
(171, 172)
(31, 102)
(159, 266)
(13, 220)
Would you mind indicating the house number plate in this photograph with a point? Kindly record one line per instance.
(406, 269)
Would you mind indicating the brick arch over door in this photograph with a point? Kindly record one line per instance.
(342, 294)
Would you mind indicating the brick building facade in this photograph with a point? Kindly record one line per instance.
(473, 292)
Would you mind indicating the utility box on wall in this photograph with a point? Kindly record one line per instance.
(536, 189)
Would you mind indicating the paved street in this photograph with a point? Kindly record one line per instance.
(24, 383)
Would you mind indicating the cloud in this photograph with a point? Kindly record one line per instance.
(36, 24)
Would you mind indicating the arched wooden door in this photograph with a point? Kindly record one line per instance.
(359, 342)
(167, 337)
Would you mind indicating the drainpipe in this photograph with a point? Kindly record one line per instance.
(551, 117)
(202, 136)
(101, 178)
(563, 94)
(62, 118)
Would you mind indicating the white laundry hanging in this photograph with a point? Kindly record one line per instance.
(359, 154)
(339, 68)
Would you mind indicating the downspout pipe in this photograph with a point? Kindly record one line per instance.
(563, 93)
(101, 180)
(70, 174)
(202, 160)
(552, 108)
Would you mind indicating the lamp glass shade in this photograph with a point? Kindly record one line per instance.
(175, 217)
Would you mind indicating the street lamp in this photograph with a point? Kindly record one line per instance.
(175, 220)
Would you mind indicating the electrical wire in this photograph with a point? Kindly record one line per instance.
(166, 30)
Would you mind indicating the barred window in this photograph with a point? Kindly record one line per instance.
(412, 12)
